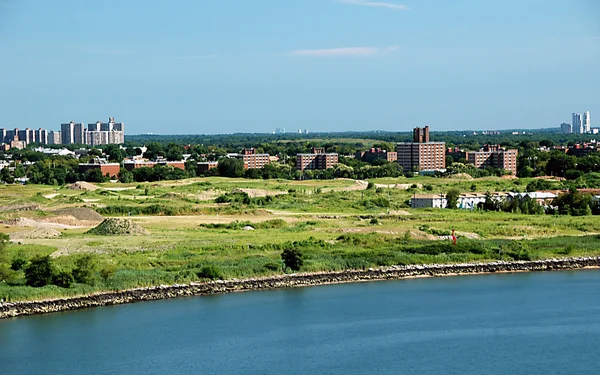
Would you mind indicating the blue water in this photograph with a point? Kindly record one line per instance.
(534, 323)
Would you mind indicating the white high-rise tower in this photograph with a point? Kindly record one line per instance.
(587, 122)
(577, 124)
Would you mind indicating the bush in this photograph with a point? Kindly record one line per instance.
(84, 270)
(292, 258)
(63, 279)
(39, 272)
(272, 266)
(107, 272)
(210, 272)
(18, 263)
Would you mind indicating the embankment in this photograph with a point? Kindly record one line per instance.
(13, 309)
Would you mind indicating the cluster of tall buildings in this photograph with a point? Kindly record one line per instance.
(98, 133)
(581, 124)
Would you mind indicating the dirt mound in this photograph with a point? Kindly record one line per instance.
(118, 226)
(254, 193)
(463, 176)
(82, 185)
(80, 213)
(37, 233)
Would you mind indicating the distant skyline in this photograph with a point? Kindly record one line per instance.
(200, 67)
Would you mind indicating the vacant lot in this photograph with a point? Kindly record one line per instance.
(335, 224)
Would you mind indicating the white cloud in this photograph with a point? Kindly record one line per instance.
(374, 4)
(345, 51)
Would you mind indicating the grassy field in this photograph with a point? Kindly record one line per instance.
(336, 224)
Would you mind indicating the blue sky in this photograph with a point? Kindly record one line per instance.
(223, 66)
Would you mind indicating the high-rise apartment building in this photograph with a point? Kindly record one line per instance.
(566, 128)
(41, 136)
(421, 154)
(54, 137)
(67, 134)
(577, 123)
(587, 122)
(494, 156)
(101, 133)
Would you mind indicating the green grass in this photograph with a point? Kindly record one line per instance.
(333, 228)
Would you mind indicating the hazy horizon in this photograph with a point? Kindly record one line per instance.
(322, 65)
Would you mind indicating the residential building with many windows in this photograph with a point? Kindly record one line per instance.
(494, 156)
(317, 159)
(421, 154)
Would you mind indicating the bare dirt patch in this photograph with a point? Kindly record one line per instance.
(80, 213)
(82, 185)
(20, 207)
(37, 233)
(254, 193)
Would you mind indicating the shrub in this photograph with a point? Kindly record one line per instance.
(272, 266)
(107, 272)
(374, 221)
(39, 272)
(210, 272)
(292, 258)
(84, 270)
(370, 185)
(63, 279)
(18, 263)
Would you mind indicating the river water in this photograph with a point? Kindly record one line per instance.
(527, 323)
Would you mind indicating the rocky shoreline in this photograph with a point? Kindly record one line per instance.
(14, 309)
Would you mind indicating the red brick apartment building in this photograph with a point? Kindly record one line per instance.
(494, 156)
(318, 159)
(253, 160)
(421, 154)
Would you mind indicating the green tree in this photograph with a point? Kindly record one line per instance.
(63, 279)
(5, 176)
(125, 176)
(84, 270)
(39, 272)
(94, 175)
(154, 150)
(292, 258)
(452, 198)
(174, 152)
(230, 167)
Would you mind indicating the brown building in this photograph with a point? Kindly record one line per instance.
(421, 154)
(206, 166)
(108, 169)
(134, 164)
(318, 159)
(494, 156)
(253, 160)
(376, 154)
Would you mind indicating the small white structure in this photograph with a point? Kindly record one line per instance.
(466, 201)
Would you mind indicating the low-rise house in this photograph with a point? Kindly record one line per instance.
(543, 198)
(466, 201)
